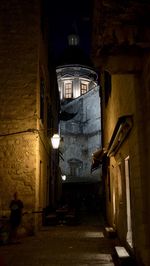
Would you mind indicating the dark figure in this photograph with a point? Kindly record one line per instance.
(16, 206)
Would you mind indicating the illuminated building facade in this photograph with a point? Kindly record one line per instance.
(28, 111)
(121, 52)
(80, 126)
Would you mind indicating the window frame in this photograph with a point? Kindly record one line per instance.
(68, 91)
(82, 88)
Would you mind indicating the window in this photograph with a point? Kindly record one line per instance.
(128, 203)
(73, 170)
(107, 86)
(42, 89)
(75, 167)
(41, 184)
(68, 90)
(49, 119)
(83, 87)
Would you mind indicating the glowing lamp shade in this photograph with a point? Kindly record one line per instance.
(55, 141)
(63, 177)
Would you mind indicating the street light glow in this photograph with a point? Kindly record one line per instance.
(63, 177)
(55, 141)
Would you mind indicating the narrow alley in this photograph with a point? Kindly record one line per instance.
(75, 133)
(83, 244)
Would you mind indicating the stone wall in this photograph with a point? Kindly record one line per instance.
(24, 147)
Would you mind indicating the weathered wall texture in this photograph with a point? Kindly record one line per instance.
(24, 148)
(121, 47)
(82, 136)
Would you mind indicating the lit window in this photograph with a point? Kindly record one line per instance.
(83, 88)
(68, 90)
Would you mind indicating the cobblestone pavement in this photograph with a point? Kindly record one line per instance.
(81, 245)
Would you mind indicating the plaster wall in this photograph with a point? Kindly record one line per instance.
(124, 100)
(82, 135)
(121, 47)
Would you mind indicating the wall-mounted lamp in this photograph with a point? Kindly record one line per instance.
(63, 177)
(55, 141)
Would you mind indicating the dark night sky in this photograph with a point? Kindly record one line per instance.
(64, 16)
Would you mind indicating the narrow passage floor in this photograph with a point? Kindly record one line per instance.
(61, 245)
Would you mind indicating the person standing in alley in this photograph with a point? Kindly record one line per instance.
(16, 207)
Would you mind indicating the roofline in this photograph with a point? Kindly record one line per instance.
(77, 65)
